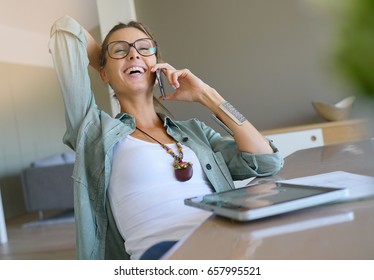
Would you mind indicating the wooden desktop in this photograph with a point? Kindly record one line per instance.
(334, 231)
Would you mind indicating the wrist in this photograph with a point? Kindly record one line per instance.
(211, 98)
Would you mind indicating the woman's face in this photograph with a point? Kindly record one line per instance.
(131, 74)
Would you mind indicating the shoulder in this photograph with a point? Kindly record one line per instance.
(192, 124)
(198, 128)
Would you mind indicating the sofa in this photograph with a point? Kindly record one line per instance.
(47, 183)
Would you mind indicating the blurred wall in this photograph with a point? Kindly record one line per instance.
(270, 58)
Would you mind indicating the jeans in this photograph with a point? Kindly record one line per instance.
(156, 251)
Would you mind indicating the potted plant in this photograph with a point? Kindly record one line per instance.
(354, 52)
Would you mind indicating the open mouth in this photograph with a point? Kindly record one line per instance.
(135, 70)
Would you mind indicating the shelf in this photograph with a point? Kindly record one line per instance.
(291, 139)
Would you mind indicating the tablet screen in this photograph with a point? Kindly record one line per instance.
(262, 195)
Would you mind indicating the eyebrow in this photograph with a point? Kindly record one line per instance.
(118, 41)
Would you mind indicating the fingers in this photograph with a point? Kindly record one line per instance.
(177, 75)
(171, 73)
(167, 69)
(162, 66)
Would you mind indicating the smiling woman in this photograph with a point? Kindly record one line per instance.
(132, 172)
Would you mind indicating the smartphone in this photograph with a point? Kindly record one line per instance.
(160, 83)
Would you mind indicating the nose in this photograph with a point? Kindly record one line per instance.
(133, 54)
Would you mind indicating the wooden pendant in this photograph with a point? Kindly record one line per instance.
(184, 174)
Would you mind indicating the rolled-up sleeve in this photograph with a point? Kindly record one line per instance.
(264, 164)
(68, 47)
(243, 165)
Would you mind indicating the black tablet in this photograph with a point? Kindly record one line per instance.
(264, 200)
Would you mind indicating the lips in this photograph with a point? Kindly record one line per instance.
(135, 70)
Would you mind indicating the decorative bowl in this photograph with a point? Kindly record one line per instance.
(335, 112)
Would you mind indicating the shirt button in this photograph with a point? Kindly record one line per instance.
(208, 166)
(184, 139)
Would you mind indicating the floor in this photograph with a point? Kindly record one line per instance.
(30, 239)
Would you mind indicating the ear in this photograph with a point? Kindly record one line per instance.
(103, 75)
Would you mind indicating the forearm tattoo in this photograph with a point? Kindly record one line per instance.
(234, 114)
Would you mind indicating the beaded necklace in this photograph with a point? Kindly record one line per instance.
(183, 170)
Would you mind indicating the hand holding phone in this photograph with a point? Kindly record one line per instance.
(160, 83)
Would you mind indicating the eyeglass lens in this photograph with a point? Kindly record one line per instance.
(120, 49)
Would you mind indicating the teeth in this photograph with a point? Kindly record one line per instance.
(135, 69)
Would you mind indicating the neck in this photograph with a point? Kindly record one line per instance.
(148, 121)
(144, 113)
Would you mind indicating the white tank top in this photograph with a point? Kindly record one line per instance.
(147, 200)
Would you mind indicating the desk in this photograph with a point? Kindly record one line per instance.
(335, 231)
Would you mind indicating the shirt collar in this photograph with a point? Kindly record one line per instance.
(125, 118)
(168, 122)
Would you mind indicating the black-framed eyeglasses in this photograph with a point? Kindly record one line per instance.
(120, 49)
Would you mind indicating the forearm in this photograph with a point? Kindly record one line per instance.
(246, 136)
(93, 51)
